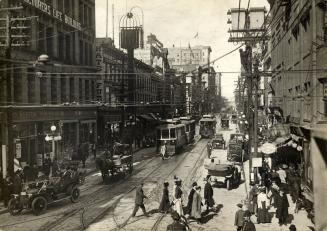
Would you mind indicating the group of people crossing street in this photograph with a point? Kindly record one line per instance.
(193, 209)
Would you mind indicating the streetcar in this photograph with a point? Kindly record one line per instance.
(189, 128)
(173, 135)
(207, 126)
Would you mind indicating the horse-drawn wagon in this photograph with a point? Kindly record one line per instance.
(117, 162)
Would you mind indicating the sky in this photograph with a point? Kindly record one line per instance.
(176, 22)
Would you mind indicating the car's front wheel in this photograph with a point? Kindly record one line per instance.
(14, 207)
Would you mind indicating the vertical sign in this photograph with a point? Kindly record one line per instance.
(18, 150)
(4, 160)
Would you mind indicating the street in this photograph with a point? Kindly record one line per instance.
(109, 106)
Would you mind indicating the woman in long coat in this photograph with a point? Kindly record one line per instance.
(165, 204)
(197, 204)
(263, 203)
(282, 208)
(178, 206)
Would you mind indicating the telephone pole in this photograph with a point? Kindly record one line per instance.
(251, 33)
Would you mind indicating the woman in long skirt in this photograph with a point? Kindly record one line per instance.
(263, 203)
(165, 204)
(282, 208)
(197, 205)
(178, 206)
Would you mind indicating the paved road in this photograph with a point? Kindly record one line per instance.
(91, 191)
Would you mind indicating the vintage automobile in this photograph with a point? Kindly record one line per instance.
(218, 141)
(39, 194)
(236, 150)
(224, 174)
(117, 162)
(224, 123)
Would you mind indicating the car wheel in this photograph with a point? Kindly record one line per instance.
(14, 207)
(75, 193)
(39, 205)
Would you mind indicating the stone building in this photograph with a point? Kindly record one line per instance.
(296, 55)
(59, 89)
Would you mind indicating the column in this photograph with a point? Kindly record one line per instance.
(59, 89)
(48, 80)
(24, 86)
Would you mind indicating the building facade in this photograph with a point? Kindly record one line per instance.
(58, 90)
(296, 55)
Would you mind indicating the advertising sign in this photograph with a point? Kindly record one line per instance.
(18, 150)
(47, 9)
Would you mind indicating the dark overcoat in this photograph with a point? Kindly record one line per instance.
(239, 218)
(139, 197)
(165, 203)
(190, 201)
(208, 195)
(282, 207)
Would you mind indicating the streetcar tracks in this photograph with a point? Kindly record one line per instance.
(180, 161)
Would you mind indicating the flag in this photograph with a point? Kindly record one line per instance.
(196, 35)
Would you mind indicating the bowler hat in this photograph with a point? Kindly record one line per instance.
(239, 205)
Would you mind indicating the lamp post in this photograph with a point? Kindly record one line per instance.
(53, 138)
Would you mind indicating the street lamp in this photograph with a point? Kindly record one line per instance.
(53, 138)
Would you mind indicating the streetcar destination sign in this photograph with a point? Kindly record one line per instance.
(54, 13)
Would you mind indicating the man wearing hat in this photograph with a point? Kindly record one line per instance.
(208, 193)
(248, 224)
(292, 227)
(139, 201)
(177, 224)
(239, 217)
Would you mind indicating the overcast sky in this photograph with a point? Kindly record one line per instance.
(178, 21)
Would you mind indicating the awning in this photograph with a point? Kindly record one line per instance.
(146, 118)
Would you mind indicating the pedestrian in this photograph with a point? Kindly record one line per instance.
(239, 217)
(253, 197)
(178, 204)
(209, 148)
(178, 224)
(208, 194)
(17, 182)
(165, 204)
(47, 165)
(282, 208)
(248, 224)
(190, 198)
(197, 205)
(7, 190)
(163, 150)
(263, 204)
(81, 154)
(292, 227)
(282, 176)
(139, 201)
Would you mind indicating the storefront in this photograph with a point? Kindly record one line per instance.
(40, 131)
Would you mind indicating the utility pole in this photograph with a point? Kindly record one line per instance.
(250, 36)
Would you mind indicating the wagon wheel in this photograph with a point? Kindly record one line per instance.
(39, 205)
(75, 193)
(14, 207)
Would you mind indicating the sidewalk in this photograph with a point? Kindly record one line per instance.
(299, 219)
(139, 155)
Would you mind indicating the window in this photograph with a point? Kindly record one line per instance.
(165, 134)
(172, 133)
